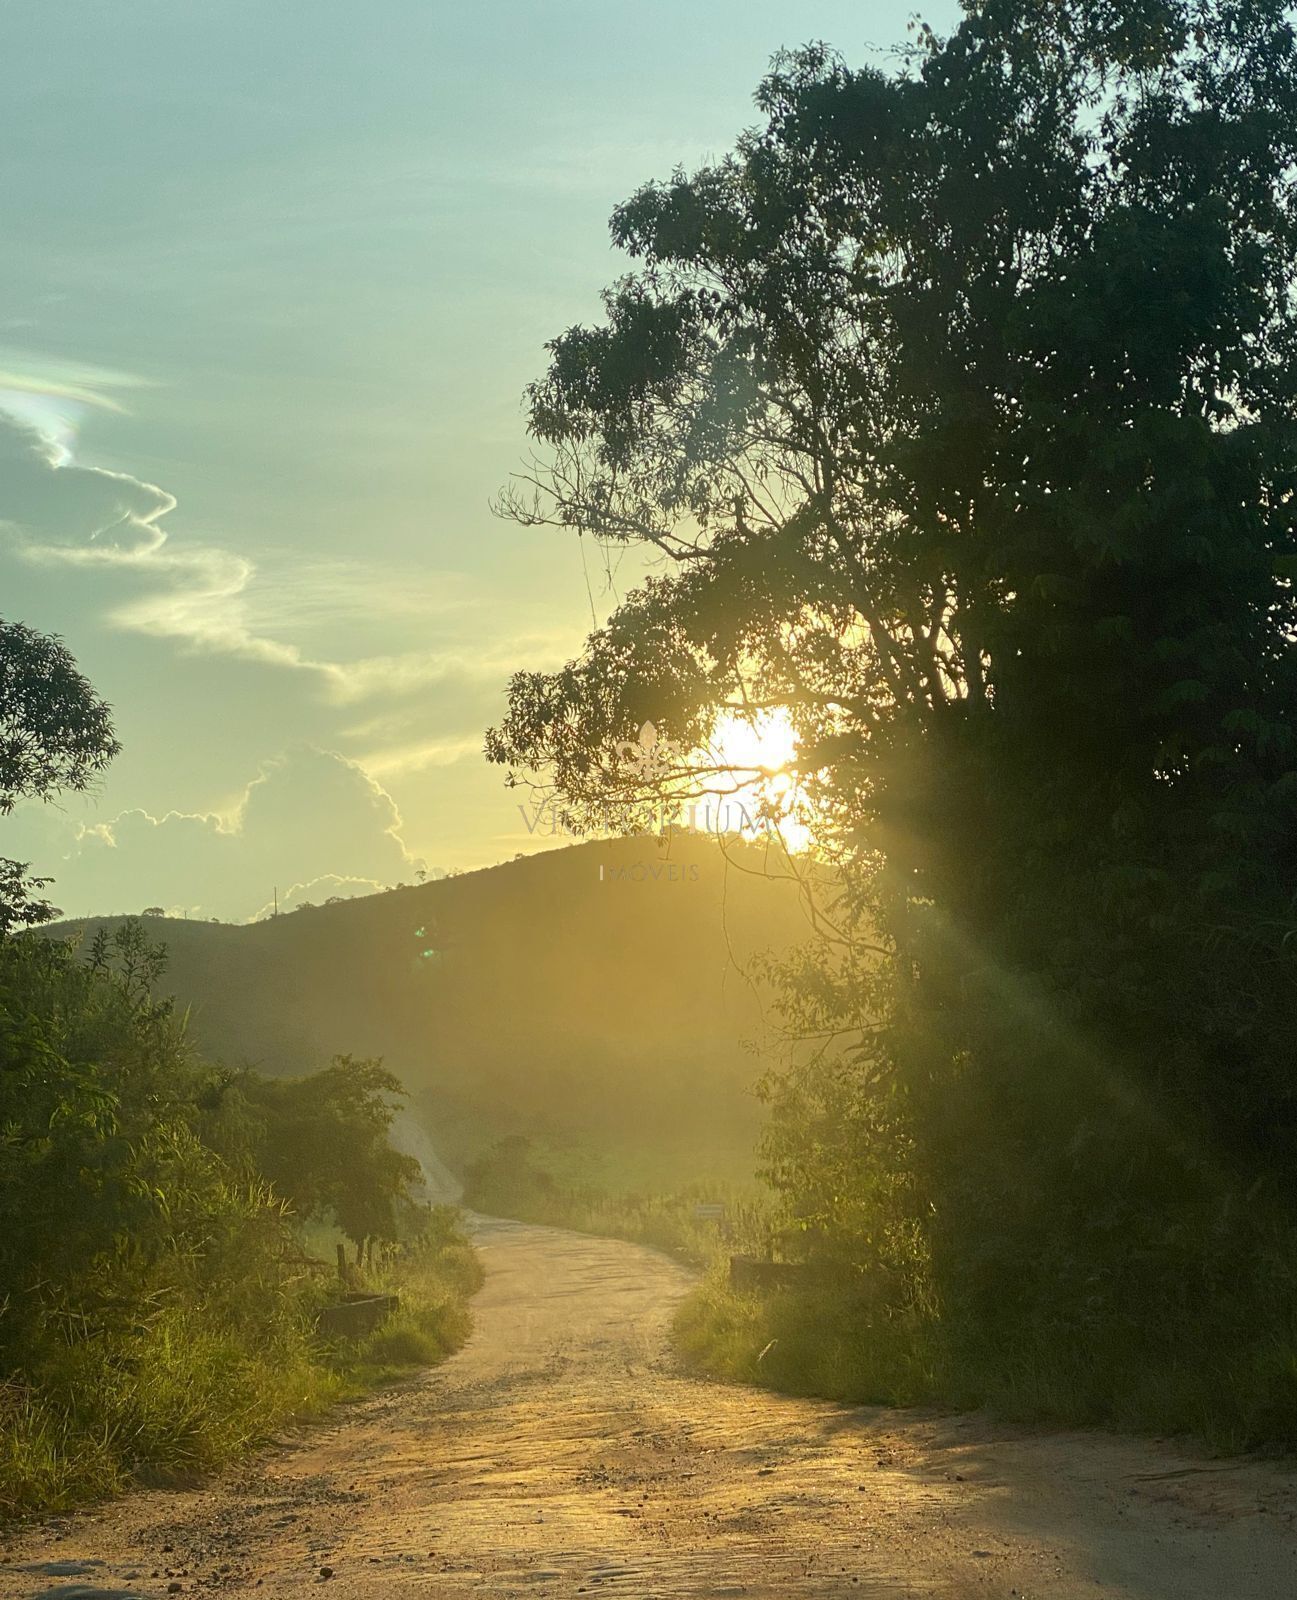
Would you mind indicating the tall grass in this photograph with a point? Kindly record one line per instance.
(193, 1389)
(816, 1342)
(179, 1398)
(1227, 1388)
(434, 1283)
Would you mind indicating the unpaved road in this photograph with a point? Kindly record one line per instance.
(558, 1454)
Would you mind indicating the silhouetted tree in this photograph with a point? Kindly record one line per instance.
(55, 734)
(322, 1141)
(961, 405)
(21, 905)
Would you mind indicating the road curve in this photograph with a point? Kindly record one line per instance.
(560, 1454)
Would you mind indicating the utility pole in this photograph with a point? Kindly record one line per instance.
(276, 894)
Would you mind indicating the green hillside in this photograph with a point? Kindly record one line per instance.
(596, 998)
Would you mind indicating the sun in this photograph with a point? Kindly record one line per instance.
(756, 790)
(764, 743)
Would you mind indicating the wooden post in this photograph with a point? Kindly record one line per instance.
(342, 1262)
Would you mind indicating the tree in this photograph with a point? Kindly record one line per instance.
(20, 904)
(960, 407)
(55, 734)
(108, 1201)
(322, 1141)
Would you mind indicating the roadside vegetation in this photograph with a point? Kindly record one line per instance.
(516, 1178)
(159, 1308)
(435, 1271)
(833, 1330)
(1233, 1389)
(958, 409)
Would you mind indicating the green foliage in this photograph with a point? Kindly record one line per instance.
(108, 1201)
(963, 403)
(434, 1276)
(512, 1179)
(1232, 1392)
(20, 903)
(156, 1310)
(816, 1342)
(149, 1321)
(55, 734)
(322, 1141)
(506, 1180)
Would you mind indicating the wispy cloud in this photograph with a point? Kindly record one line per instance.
(355, 681)
(52, 395)
(421, 754)
(210, 598)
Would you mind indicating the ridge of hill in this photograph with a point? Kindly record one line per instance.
(596, 997)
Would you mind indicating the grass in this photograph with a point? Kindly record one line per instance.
(164, 1405)
(191, 1391)
(1229, 1391)
(517, 1178)
(1226, 1377)
(433, 1321)
(810, 1343)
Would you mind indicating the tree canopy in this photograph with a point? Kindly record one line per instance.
(960, 405)
(322, 1140)
(56, 734)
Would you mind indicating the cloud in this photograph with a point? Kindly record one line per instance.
(51, 396)
(310, 817)
(50, 502)
(415, 757)
(415, 670)
(319, 891)
(212, 599)
(399, 667)
(66, 516)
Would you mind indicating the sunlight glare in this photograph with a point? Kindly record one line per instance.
(758, 750)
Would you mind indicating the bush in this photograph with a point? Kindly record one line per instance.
(156, 1308)
(1233, 1393)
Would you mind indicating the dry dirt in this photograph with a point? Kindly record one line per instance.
(559, 1454)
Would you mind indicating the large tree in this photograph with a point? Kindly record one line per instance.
(56, 734)
(960, 404)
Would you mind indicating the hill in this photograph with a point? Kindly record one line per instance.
(596, 998)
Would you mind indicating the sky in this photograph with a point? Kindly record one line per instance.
(274, 278)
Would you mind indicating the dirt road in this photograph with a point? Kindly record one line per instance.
(559, 1455)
